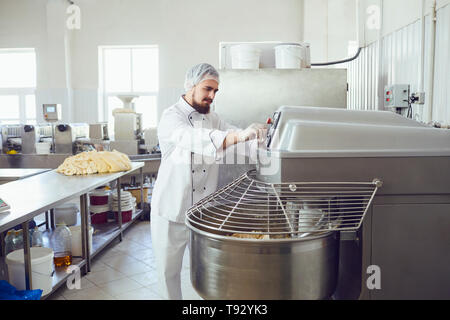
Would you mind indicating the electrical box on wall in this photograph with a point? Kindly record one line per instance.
(396, 96)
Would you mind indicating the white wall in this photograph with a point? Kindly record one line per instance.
(400, 13)
(187, 32)
(329, 26)
(396, 59)
(40, 24)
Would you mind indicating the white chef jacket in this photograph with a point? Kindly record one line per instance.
(190, 143)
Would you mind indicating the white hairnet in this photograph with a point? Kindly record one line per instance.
(199, 73)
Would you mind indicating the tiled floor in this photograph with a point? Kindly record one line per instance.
(125, 271)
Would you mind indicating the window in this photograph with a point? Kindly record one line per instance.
(129, 71)
(17, 86)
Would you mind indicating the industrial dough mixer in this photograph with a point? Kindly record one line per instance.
(335, 192)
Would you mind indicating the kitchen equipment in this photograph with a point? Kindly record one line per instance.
(151, 139)
(77, 250)
(136, 193)
(51, 112)
(99, 214)
(265, 223)
(66, 214)
(99, 131)
(41, 266)
(127, 125)
(11, 138)
(99, 197)
(61, 240)
(127, 131)
(67, 136)
(23, 138)
(8, 242)
(245, 56)
(127, 204)
(37, 239)
(335, 151)
(289, 56)
(43, 147)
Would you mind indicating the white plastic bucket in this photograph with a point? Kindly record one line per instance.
(289, 56)
(43, 147)
(66, 214)
(41, 269)
(77, 250)
(245, 56)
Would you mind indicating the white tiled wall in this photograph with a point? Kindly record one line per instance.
(395, 59)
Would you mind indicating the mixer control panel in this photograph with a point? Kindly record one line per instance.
(273, 123)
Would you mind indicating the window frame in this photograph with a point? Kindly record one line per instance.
(21, 92)
(104, 95)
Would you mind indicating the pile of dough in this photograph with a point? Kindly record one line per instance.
(251, 236)
(260, 236)
(95, 162)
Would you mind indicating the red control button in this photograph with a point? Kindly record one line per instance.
(269, 121)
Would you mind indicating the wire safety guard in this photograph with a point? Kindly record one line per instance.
(249, 208)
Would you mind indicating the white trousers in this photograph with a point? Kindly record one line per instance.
(169, 240)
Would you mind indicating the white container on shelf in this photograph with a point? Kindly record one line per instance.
(41, 269)
(290, 56)
(77, 250)
(66, 214)
(245, 56)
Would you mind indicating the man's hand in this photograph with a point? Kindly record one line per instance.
(254, 131)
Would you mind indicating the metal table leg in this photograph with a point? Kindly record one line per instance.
(84, 239)
(141, 173)
(47, 225)
(2, 245)
(27, 256)
(52, 219)
(119, 209)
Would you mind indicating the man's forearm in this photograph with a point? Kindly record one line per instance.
(230, 139)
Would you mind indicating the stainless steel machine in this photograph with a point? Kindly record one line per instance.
(344, 204)
(99, 131)
(71, 138)
(23, 138)
(128, 133)
(11, 138)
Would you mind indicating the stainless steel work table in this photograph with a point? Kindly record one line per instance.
(12, 174)
(34, 195)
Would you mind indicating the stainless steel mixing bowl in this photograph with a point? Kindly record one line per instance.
(223, 267)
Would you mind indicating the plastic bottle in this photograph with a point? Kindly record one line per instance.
(9, 245)
(18, 240)
(36, 238)
(61, 241)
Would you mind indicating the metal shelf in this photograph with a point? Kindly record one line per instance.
(104, 234)
(51, 195)
(60, 276)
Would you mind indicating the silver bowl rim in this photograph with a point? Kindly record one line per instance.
(323, 234)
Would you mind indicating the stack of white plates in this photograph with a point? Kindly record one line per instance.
(99, 209)
(127, 201)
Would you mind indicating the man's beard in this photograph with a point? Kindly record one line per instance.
(201, 109)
